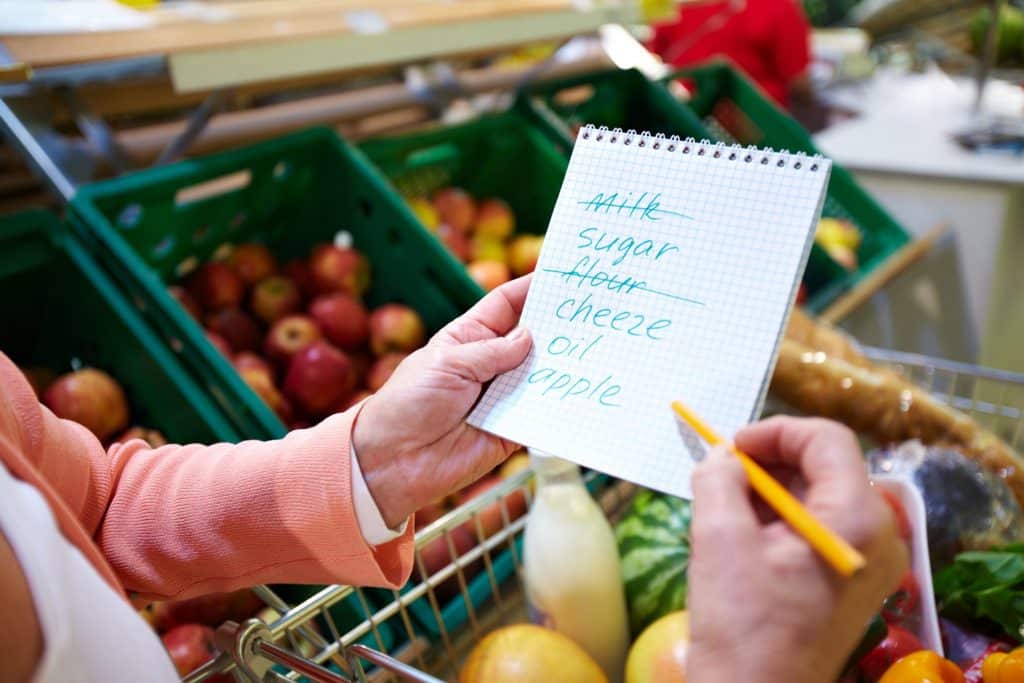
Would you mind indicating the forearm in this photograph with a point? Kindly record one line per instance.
(186, 520)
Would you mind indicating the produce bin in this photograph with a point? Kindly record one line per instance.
(61, 312)
(727, 108)
(501, 155)
(153, 227)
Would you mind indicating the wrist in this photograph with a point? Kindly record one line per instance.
(381, 469)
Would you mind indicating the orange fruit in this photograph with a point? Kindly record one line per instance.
(659, 654)
(525, 653)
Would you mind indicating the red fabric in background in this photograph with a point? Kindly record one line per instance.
(768, 39)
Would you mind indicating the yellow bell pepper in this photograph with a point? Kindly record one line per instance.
(923, 666)
(1000, 667)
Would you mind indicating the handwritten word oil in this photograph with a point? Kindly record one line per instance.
(573, 582)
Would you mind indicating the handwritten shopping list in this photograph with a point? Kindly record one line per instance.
(667, 273)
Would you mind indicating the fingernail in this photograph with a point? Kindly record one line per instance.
(517, 334)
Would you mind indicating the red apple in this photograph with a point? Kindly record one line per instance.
(186, 300)
(247, 360)
(190, 646)
(263, 386)
(39, 378)
(361, 363)
(253, 262)
(487, 248)
(494, 218)
(382, 369)
(342, 319)
(339, 269)
(219, 343)
(491, 519)
(428, 514)
(215, 285)
(212, 609)
(289, 335)
(302, 276)
(91, 398)
(275, 297)
(455, 208)
(318, 378)
(238, 329)
(151, 436)
(356, 398)
(396, 327)
(523, 253)
(456, 242)
(437, 555)
(489, 274)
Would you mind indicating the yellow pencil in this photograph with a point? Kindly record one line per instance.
(843, 557)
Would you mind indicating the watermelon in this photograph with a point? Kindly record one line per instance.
(654, 553)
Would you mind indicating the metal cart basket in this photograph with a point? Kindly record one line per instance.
(293, 648)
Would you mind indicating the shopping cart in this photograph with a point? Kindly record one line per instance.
(258, 651)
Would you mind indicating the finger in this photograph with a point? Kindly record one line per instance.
(830, 459)
(823, 451)
(723, 517)
(481, 361)
(492, 316)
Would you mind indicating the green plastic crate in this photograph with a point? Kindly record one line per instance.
(626, 99)
(290, 193)
(501, 155)
(734, 110)
(614, 98)
(62, 311)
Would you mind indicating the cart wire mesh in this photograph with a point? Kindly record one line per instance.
(304, 642)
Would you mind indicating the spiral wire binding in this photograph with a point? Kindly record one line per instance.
(717, 150)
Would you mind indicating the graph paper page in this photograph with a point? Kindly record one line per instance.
(666, 273)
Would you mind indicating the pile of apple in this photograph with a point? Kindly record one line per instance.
(93, 399)
(186, 627)
(300, 336)
(484, 524)
(481, 235)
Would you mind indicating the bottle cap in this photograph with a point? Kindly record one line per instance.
(549, 464)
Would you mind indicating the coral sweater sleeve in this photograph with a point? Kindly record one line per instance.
(178, 521)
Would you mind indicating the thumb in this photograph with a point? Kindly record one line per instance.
(484, 360)
(723, 516)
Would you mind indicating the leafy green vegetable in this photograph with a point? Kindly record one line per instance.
(985, 585)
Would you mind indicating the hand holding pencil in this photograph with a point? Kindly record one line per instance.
(763, 604)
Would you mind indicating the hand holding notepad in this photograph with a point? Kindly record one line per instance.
(667, 273)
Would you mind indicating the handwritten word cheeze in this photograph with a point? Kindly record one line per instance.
(633, 324)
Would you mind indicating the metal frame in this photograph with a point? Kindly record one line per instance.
(63, 163)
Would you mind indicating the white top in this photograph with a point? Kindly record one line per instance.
(91, 633)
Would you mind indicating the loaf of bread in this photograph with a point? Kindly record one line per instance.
(839, 383)
(803, 329)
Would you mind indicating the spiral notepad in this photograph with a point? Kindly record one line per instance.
(667, 272)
